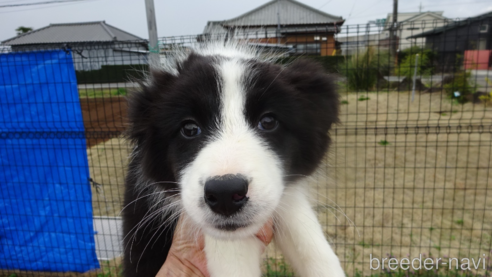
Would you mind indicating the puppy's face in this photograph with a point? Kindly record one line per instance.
(233, 132)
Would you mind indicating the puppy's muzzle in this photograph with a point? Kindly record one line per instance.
(226, 194)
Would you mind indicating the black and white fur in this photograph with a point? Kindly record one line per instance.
(226, 89)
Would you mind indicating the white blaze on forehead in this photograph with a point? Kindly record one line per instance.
(236, 148)
(232, 97)
(230, 49)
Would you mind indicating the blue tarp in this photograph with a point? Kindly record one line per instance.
(45, 197)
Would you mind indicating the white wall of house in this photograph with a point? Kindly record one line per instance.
(412, 24)
(355, 44)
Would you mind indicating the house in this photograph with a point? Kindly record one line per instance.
(351, 45)
(94, 44)
(471, 37)
(301, 28)
(410, 24)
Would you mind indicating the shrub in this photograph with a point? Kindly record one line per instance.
(430, 56)
(461, 87)
(112, 74)
(407, 67)
(364, 69)
(417, 50)
(487, 98)
(406, 61)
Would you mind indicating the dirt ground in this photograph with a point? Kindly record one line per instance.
(104, 118)
(399, 194)
(107, 166)
(395, 109)
(418, 194)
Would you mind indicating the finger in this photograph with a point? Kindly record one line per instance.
(188, 245)
(266, 232)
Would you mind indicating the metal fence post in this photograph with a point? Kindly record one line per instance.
(415, 75)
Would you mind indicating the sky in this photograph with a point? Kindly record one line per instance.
(188, 17)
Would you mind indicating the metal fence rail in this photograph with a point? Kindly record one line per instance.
(408, 172)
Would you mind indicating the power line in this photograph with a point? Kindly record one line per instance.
(54, 6)
(39, 3)
(453, 4)
(351, 10)
(325, 4)
(13, 1)
(369, 7)
(362, 15)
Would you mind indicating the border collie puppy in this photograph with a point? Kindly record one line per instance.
(226, 137)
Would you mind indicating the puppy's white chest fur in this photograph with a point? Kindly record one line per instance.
(297, 233)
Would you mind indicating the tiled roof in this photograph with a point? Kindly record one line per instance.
(290, 12)
(453, 25)
(72, 32)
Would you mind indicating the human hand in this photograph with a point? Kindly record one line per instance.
(186, 256)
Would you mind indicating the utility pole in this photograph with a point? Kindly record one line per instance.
(393, 31)
(154, 58)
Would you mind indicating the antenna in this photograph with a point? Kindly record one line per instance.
(420, 7)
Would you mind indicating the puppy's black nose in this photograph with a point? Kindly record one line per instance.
(226, 194)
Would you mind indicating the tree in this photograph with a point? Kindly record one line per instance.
(22, 30)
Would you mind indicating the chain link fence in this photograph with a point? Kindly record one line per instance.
(408, 172)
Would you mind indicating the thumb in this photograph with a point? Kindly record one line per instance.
(265, 234)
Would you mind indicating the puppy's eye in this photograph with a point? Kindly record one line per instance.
(267, 123)
(190, 130)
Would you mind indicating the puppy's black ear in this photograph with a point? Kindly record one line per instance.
(317, 87)
(142, 104)
(318, 98)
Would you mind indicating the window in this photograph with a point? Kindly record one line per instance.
(316, 38)
(484, 28)
(306, 48)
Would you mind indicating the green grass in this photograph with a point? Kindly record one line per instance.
(442, 113)
(364, 244)
(104, 92)
(383, 142)
(364, 98)
(277, 268)
(110, 269)
(460, 222)
(344, 102)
